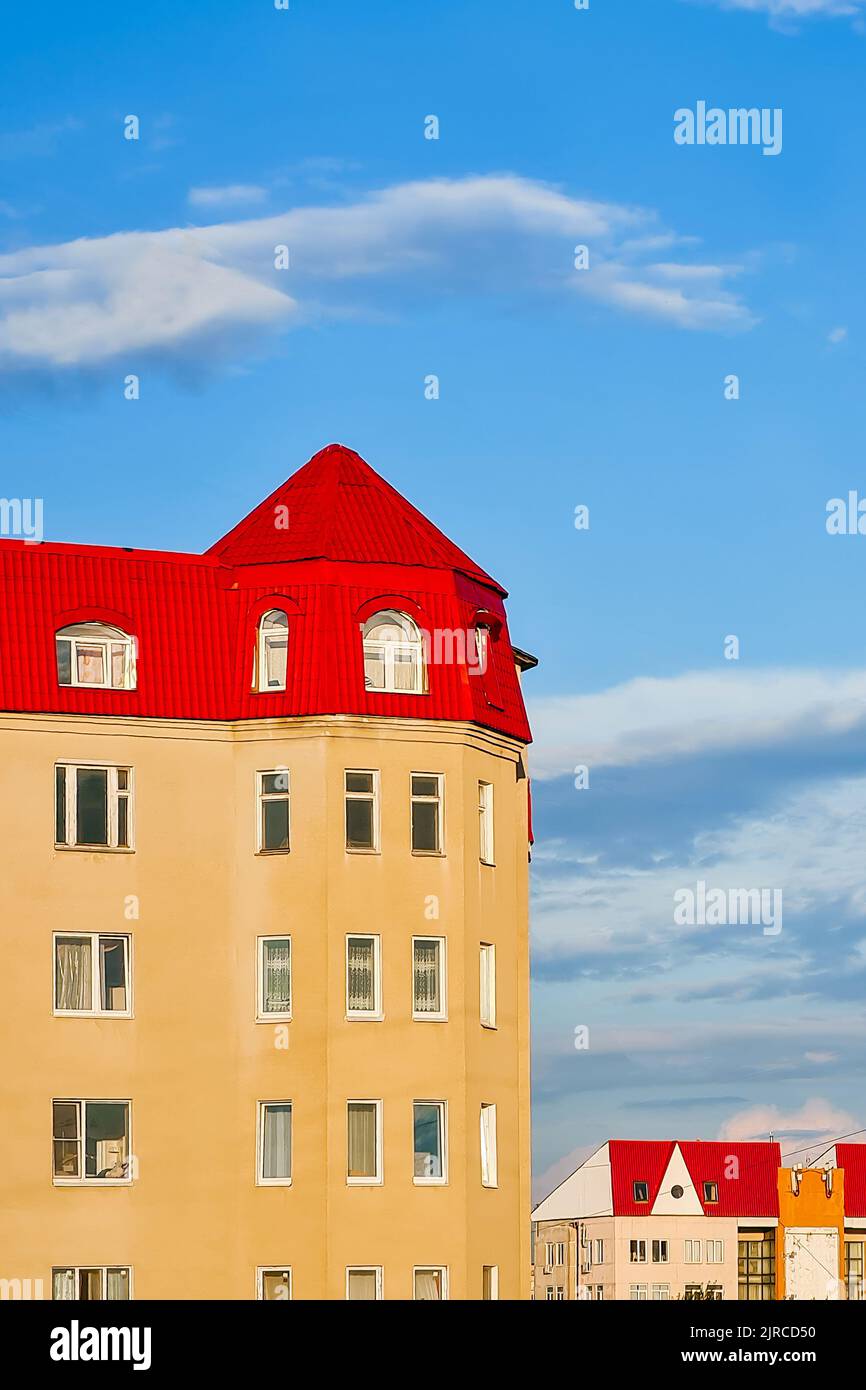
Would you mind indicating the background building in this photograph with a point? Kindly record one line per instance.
(265, 829)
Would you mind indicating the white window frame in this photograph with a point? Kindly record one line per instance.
(412, 645)
(95, 1011)
(372, 796)
(489, 1145)
(638, 1293)
(439, 802)
(637, 1251)
(374, 1015)
(693, 1252)
(442, 1107)
(82, 1180)
(660, 1293)
(77, 1270)
(114, 795)
(715, 1248)
(379, 1177)
(261, 1015)
(664, 1249)
(106, 636)
(494, 1283)
(599, 1252)
(487, 984)
(261, 1180)
(261, 1271)
(263, 636)
(368, 1269)
(442, 1015)
(486, 842)
(441, 1270)
(263, 797)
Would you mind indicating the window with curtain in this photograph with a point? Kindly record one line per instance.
(272, 650)
(91, 974)
(362, 975)
(92, 1284)
(430, 1285)
(275, 1154)
(275, 976)
(363, 1141)
(364, 1285)
(94, 654)
(275, 1285)
(428, 984)
(393, 654)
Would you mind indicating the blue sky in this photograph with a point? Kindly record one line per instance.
(454, 257)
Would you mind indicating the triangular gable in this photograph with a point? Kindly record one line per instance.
(586, 1192)
(676, 1195)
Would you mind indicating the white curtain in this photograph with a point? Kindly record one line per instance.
(360, 967)
(426, 977)
(63, 1283)
(278, 992)
(118, 1284)
(74, 984)
(277, 1142)
(362, 1285)
(362, 1141)
(428, 1285)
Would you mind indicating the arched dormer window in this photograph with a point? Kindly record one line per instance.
(393, 654)
(272, 650)
(95, 654)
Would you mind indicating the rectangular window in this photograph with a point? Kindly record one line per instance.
(711, 1191)
(428, 978)
(364, 1284)
(756, 1263)
(274, 978)
(599, 1293)
(599, 1252)
(426, 813)
(274, 1285)
(362, 811)
(487, 966)
(364, 1119)
(660, 1252)
(661, 1293)
(363, 977)
(637, 1252)
(92, 974)
(854, 1270)
(275, 1143)
(91, 1141)
(485, 822)
(693, 1252)
(431, 1283)
(428, 1119)
(274, 813)
(92, 806)
(489, 1166)
(640, 1192)
(637, 1293)
(715, 1252)
(112, 1283)
(490, 1283)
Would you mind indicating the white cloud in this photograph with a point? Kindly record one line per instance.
(679, 716)
(837, 335)
(226, 196)
(84, 302)
(797, 9)
(816, 1117)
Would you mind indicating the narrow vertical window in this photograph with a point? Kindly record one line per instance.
(91, 818)
(362, 810)
(275, 977)
(364, 1285)
(274, 1285)
(364, 1140)
(426, 813)
(275, 1142)
(428, 978)
(428, 1117)
(274, 813)
(490, 1283)
(487, 967)
(485, 822)
(489, 1173)
(363, 977)
(272, 651)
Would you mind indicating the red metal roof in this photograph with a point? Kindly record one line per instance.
(352, 544)
(752, 1193)
(852, 1157)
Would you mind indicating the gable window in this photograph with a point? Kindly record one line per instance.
(362, 811)
(92, 1284)
(364, 1164)
(487, 971)
(489, 1166)
(274, 1285)
(660, 1252)
(364, 1284)
(91, 974)
(637, 1252)
(272, 650)
(92, 806)
(428, 978)
(94, 654)
(274, 1165)
(428, 1118)
(363, 977)
(393, 654)
(640, 1192)
(430, 1284)
(274, 811)
(274, 978)
(426, 813)
(711, 1191)
(91, 1141)
(485, 822)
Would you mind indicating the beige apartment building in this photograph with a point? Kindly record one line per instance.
(265, 825)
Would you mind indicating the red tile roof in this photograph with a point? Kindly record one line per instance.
(352, 544)
(753, 1192)
(637, 1160)
(852, 1157)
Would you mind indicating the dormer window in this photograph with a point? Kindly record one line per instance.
(272, 650)
(640, 1191)
(393, 654)
(95, 654)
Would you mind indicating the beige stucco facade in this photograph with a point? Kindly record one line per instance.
(195, 895)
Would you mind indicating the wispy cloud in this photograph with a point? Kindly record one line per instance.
(795, 9)
(38, 140)
(182, 290)
(228, 195)
(816, 1121)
